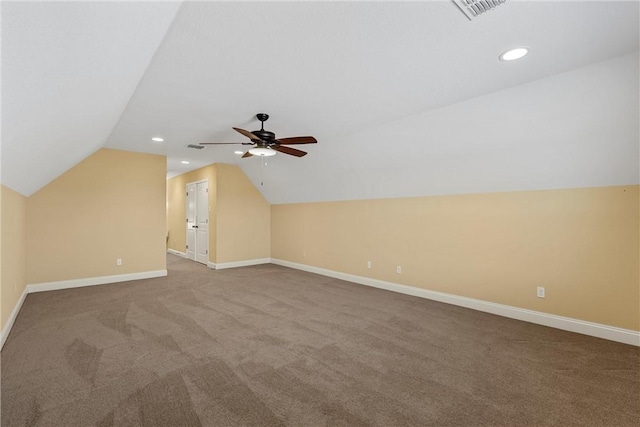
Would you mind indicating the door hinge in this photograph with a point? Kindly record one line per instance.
(187, 194)
(187, 246)
(206, 251)
(187, 220)
(207, 190)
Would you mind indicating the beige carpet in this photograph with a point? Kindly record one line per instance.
(267, 345)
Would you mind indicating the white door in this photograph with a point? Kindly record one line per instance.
(198, 221)
(191, 221)
(202, 222)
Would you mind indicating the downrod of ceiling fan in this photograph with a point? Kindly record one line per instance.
(263, 117)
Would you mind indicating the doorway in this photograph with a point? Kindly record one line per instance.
(198, 221)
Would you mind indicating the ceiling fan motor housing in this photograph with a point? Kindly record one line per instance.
(265, 135)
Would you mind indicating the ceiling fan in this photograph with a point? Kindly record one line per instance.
(265, 142)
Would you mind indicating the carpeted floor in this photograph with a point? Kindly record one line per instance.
(267, 345)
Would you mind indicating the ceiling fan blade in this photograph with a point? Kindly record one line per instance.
(225, 143)
(289, 150)
(247, 134)
(297, 140)
(247, 154)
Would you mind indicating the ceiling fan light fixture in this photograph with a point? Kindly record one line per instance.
(262, 151)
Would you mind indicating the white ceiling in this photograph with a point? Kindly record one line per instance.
(405, 98)
(68, 71)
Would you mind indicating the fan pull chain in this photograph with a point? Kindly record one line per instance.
(264, 164)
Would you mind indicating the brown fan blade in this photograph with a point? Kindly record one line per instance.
(288, 150)
(297, 140)
(247, 134)
(247, 154)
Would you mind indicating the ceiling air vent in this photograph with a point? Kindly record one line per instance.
(195, 147)
(474, 8)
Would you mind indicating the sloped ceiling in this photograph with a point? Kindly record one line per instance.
(405, 98)
(68, 71)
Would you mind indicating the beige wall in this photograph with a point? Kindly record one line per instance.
(13, 255)
(238, 214)
(580, 244)
(244, 218)
(111, 205)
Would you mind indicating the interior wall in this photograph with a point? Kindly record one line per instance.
(244, 218)
(111, 205)
(580, 244)
(13, 252)
(177, 208)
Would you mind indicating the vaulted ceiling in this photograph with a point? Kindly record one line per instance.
(405, 98)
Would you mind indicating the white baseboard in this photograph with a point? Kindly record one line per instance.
(92, 281)
(234, 264)
(612, 333)
(174, 252)
(12, 318)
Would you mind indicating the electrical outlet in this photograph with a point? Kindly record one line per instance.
(398, 269)
(118, 261)
(540, 292)
(368, 264)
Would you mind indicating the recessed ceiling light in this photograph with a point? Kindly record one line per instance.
(513, 54)
(157, 139)
(184, 162)
(238, 152)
